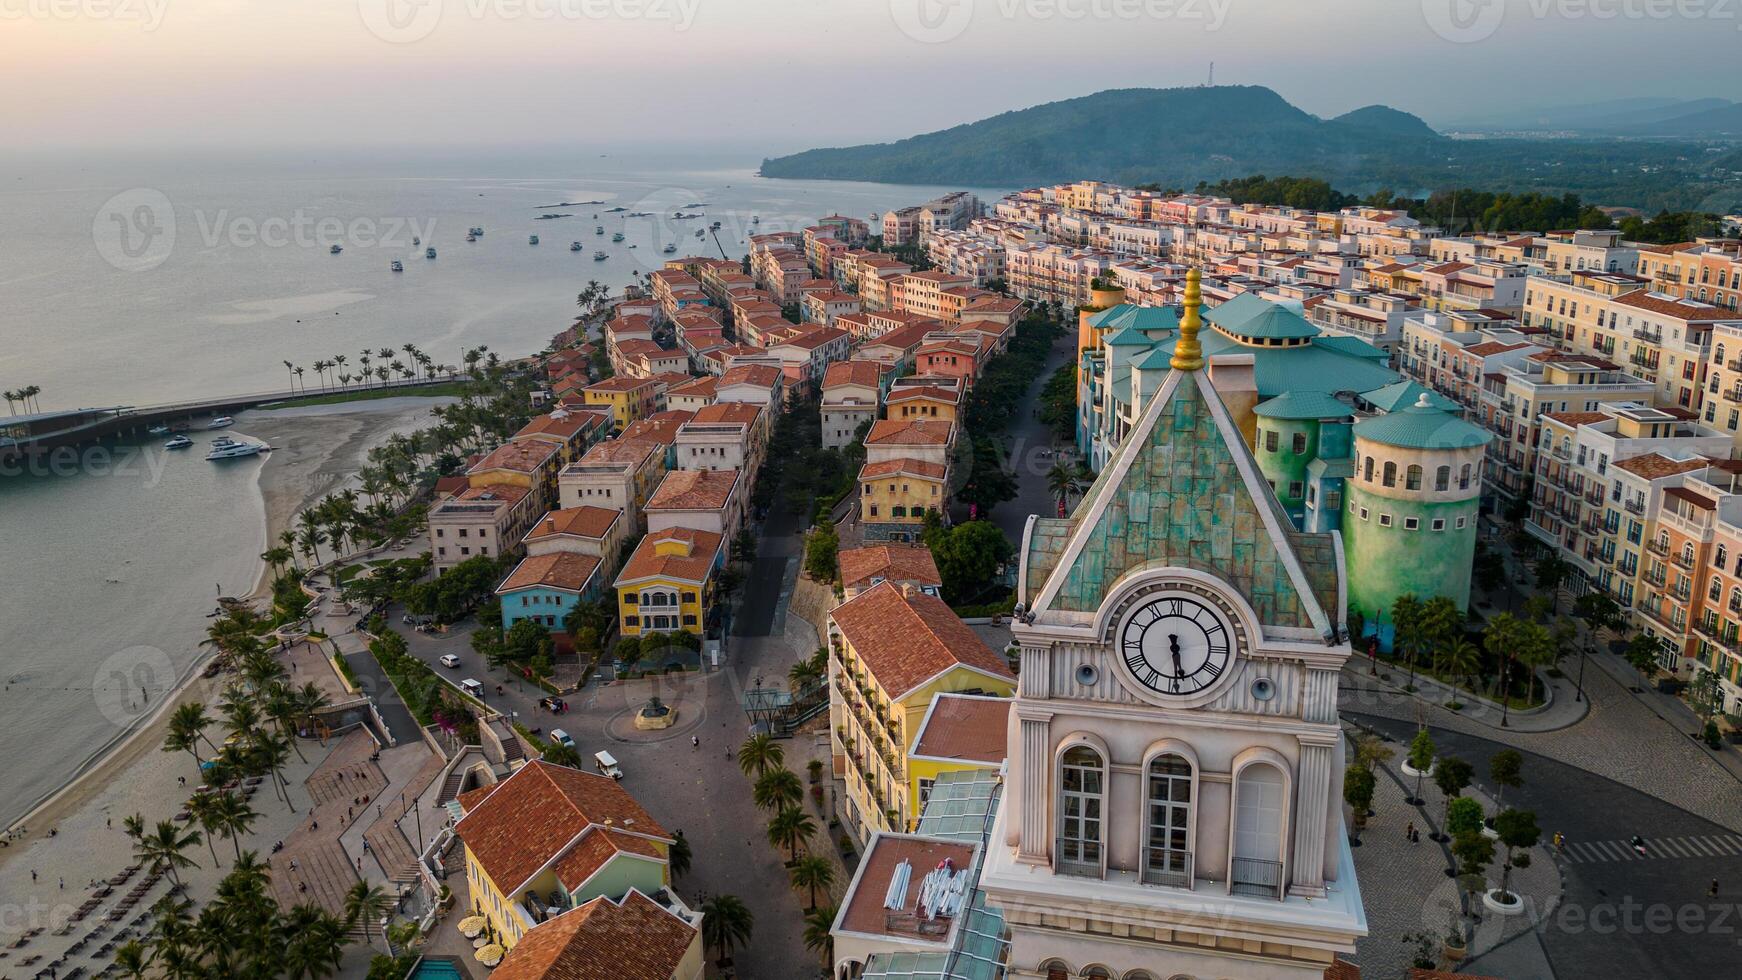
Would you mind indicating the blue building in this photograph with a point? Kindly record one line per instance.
(544, 588)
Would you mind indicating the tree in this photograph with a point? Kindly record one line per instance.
(988, 482)
(133, 960)
(726, 924)
(817, 935)
(1506, 770)
(1371, 751)
(820, 551)
(1551, 571)
(744, 546)
(789, 828)
(1463, 815)
(759, 754)
(1358, 786)
(558, 754)
(1641, 654)
(315, 943)
(1504, 635)
(812, 872)
(1406, 626)
(364, 903)
(1463, 659)
(679, 855)
(1442, 625)
(968, 557)
(1519, 832)
(1063, 482)
(162, 849)
(1473, 850)
(235, 818)
(778, 789)
(1451, 776)
(1421, 759)
(187, 726)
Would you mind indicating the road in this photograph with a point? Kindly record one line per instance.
(1031, 445)
(1620, 915)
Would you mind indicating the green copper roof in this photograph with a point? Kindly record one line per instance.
(1390, 397)
(1237, 310)
(1303, 405)
(1312, 367)
(1422, 426)
(1129, 337)
(1275, 323)
(1175, 495)
(1132, 316)
(1354, 346)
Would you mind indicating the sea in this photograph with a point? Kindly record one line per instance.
(160, 276)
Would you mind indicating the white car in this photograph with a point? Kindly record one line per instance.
(561, 737)
(449, 660)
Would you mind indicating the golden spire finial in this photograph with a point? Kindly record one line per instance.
(1188, 354)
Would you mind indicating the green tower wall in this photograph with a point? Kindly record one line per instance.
(1283, 465)
(1386, 562)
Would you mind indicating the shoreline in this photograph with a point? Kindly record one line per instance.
(298, 472)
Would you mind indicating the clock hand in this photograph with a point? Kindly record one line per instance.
(1173, 647)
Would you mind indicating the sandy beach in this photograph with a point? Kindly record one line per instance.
(316, 451)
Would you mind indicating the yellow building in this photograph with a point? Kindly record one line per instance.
(891, 650)
(919, 401)
(564, 836)
(668, 583)
(895, 494)
(959, 732)
(629, 398)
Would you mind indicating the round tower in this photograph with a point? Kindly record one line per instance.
(1409, 525)
(1286, 441)
(1100, 301)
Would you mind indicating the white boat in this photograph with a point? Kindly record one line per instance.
(223, 441)
(221, 422)
(755, 220)
(598, 229)
(336, 249)
(429, 253)
(476, 231)
(179, 442)
(532, 240)
(669, 248)
(631, 244)
(160, 429)
(700, 233)
(616, 236)
(574, 246)
(398, 266)
(600, 256)
(236, 450)
(416, 241)
(471, 238)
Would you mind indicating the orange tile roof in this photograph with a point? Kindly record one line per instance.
(896, 562)
(516, 826)
(909, 467)
(1653, 466)
(595, 848)
(744, 413)
(867, 373)
(1575, 418)
(906, 638)
(695, 387)
(636, 939)
(660, 427)
(619, 383)
(909, 432)
(621, 451)
(1670, 306)
(694, 490)
(519, 457)
(505, 492)
(565, 425)
(964, 727)
(760, 375)
(865, 912)
(586, 522)
(911, 392)
(565, 571)
(694, 566)
(816, 337)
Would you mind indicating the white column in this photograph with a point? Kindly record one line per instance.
(1037, 790)
(1312, 784)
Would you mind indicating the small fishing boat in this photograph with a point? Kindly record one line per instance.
(532, 240)
(600, 256)
(669, 248)
(336, 249)
(160, 429)
(429, 253)
(221, 422)
(574, 246)
(179, 442)
(397, 266)
(616, 236)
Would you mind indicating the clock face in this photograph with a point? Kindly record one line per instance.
(1175, 645)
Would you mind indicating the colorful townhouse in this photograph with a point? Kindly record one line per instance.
(628, 398)
(706, 500)
(546, 844)
(909, 566)
(478, 520)
(668, 583)
(618, 474)
(852, 395)
(905, 475)
(958, 733)
(546, 588)
(532, 464)
(597, 531)
(891, 650)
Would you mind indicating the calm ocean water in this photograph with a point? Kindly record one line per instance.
(158, 279)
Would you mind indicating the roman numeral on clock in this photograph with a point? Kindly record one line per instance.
(1212, 668)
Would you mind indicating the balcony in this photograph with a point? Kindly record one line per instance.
(1253, 876)
(1649, 336)
(1658, 547)
(1733, 364)
(1653, 579)
(1076, 857)
(1659, 614)
(1167, 866)
(1733, 395)
(1633, 505)
(1680, 594)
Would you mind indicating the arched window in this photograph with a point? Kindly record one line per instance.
(1464, 477)
(1367, 469)
(1412, 477)
(1687, 554)
(1443, 478)
(1082, 778)
(1720, 557)
(1055, 970)
(1259, 804)
(1097, 972)
(1167, 854)
(1139, 975)
(1390, 478)
(1735, 599)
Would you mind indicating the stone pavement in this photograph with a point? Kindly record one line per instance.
(1405, 889)
(1563, 708)
(313, 867)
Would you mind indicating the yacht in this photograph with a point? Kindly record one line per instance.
(429, 253)
(221, 422)
(614, 210)
(398, 266)
(600, 256)
(161, 429)
(336, 249)
(236, 450)
(669, 248)
(715, 226)
(616, 236)
(179, 442)
(532, 240)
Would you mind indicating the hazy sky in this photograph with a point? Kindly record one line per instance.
(780, 75)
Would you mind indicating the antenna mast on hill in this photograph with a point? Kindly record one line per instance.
(1212, 75)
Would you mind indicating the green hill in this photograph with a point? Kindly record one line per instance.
(1182, 136)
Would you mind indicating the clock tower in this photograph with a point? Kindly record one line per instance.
(1173, 799)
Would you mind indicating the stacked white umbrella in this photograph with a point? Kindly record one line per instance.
(896, 897)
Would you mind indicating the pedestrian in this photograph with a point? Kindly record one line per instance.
(365, 847)
(1713, 890)
(314, 825)
(1409, 832)
(181, 780)
(32, 874)
(695, 741)
(1415, 837)
(63, 883)
(378, 809)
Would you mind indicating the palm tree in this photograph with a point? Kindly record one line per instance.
(813, 872)
(234, 818)
(1406, 630)
(778, 789)
(287, 540)
(1062, 481)
(277, 557)
(1463, 659)
(273, 751)
(760, 753)
(11, 397)
(365, 903)
(133, 959)
(187, 725)
(802, 675)
(312, 537)
(293, 373)
(134, 827)
(249, 872)
(790, 828)
(559, 754)
(679, 855)
(29, 394)
(817, 935)
(298, 373)
(204, 810)
(726, 924)
(316, 943)
(162, 849)
(1501, 638)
